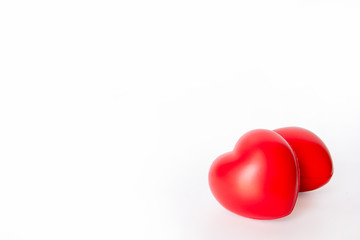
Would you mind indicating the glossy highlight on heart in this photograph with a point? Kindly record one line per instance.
(259, 179)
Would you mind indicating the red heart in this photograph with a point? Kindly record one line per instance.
(259, 178)
(314, 159)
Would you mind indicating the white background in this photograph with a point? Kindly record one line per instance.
(111, 113)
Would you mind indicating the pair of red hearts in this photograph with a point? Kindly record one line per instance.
(261, 178)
